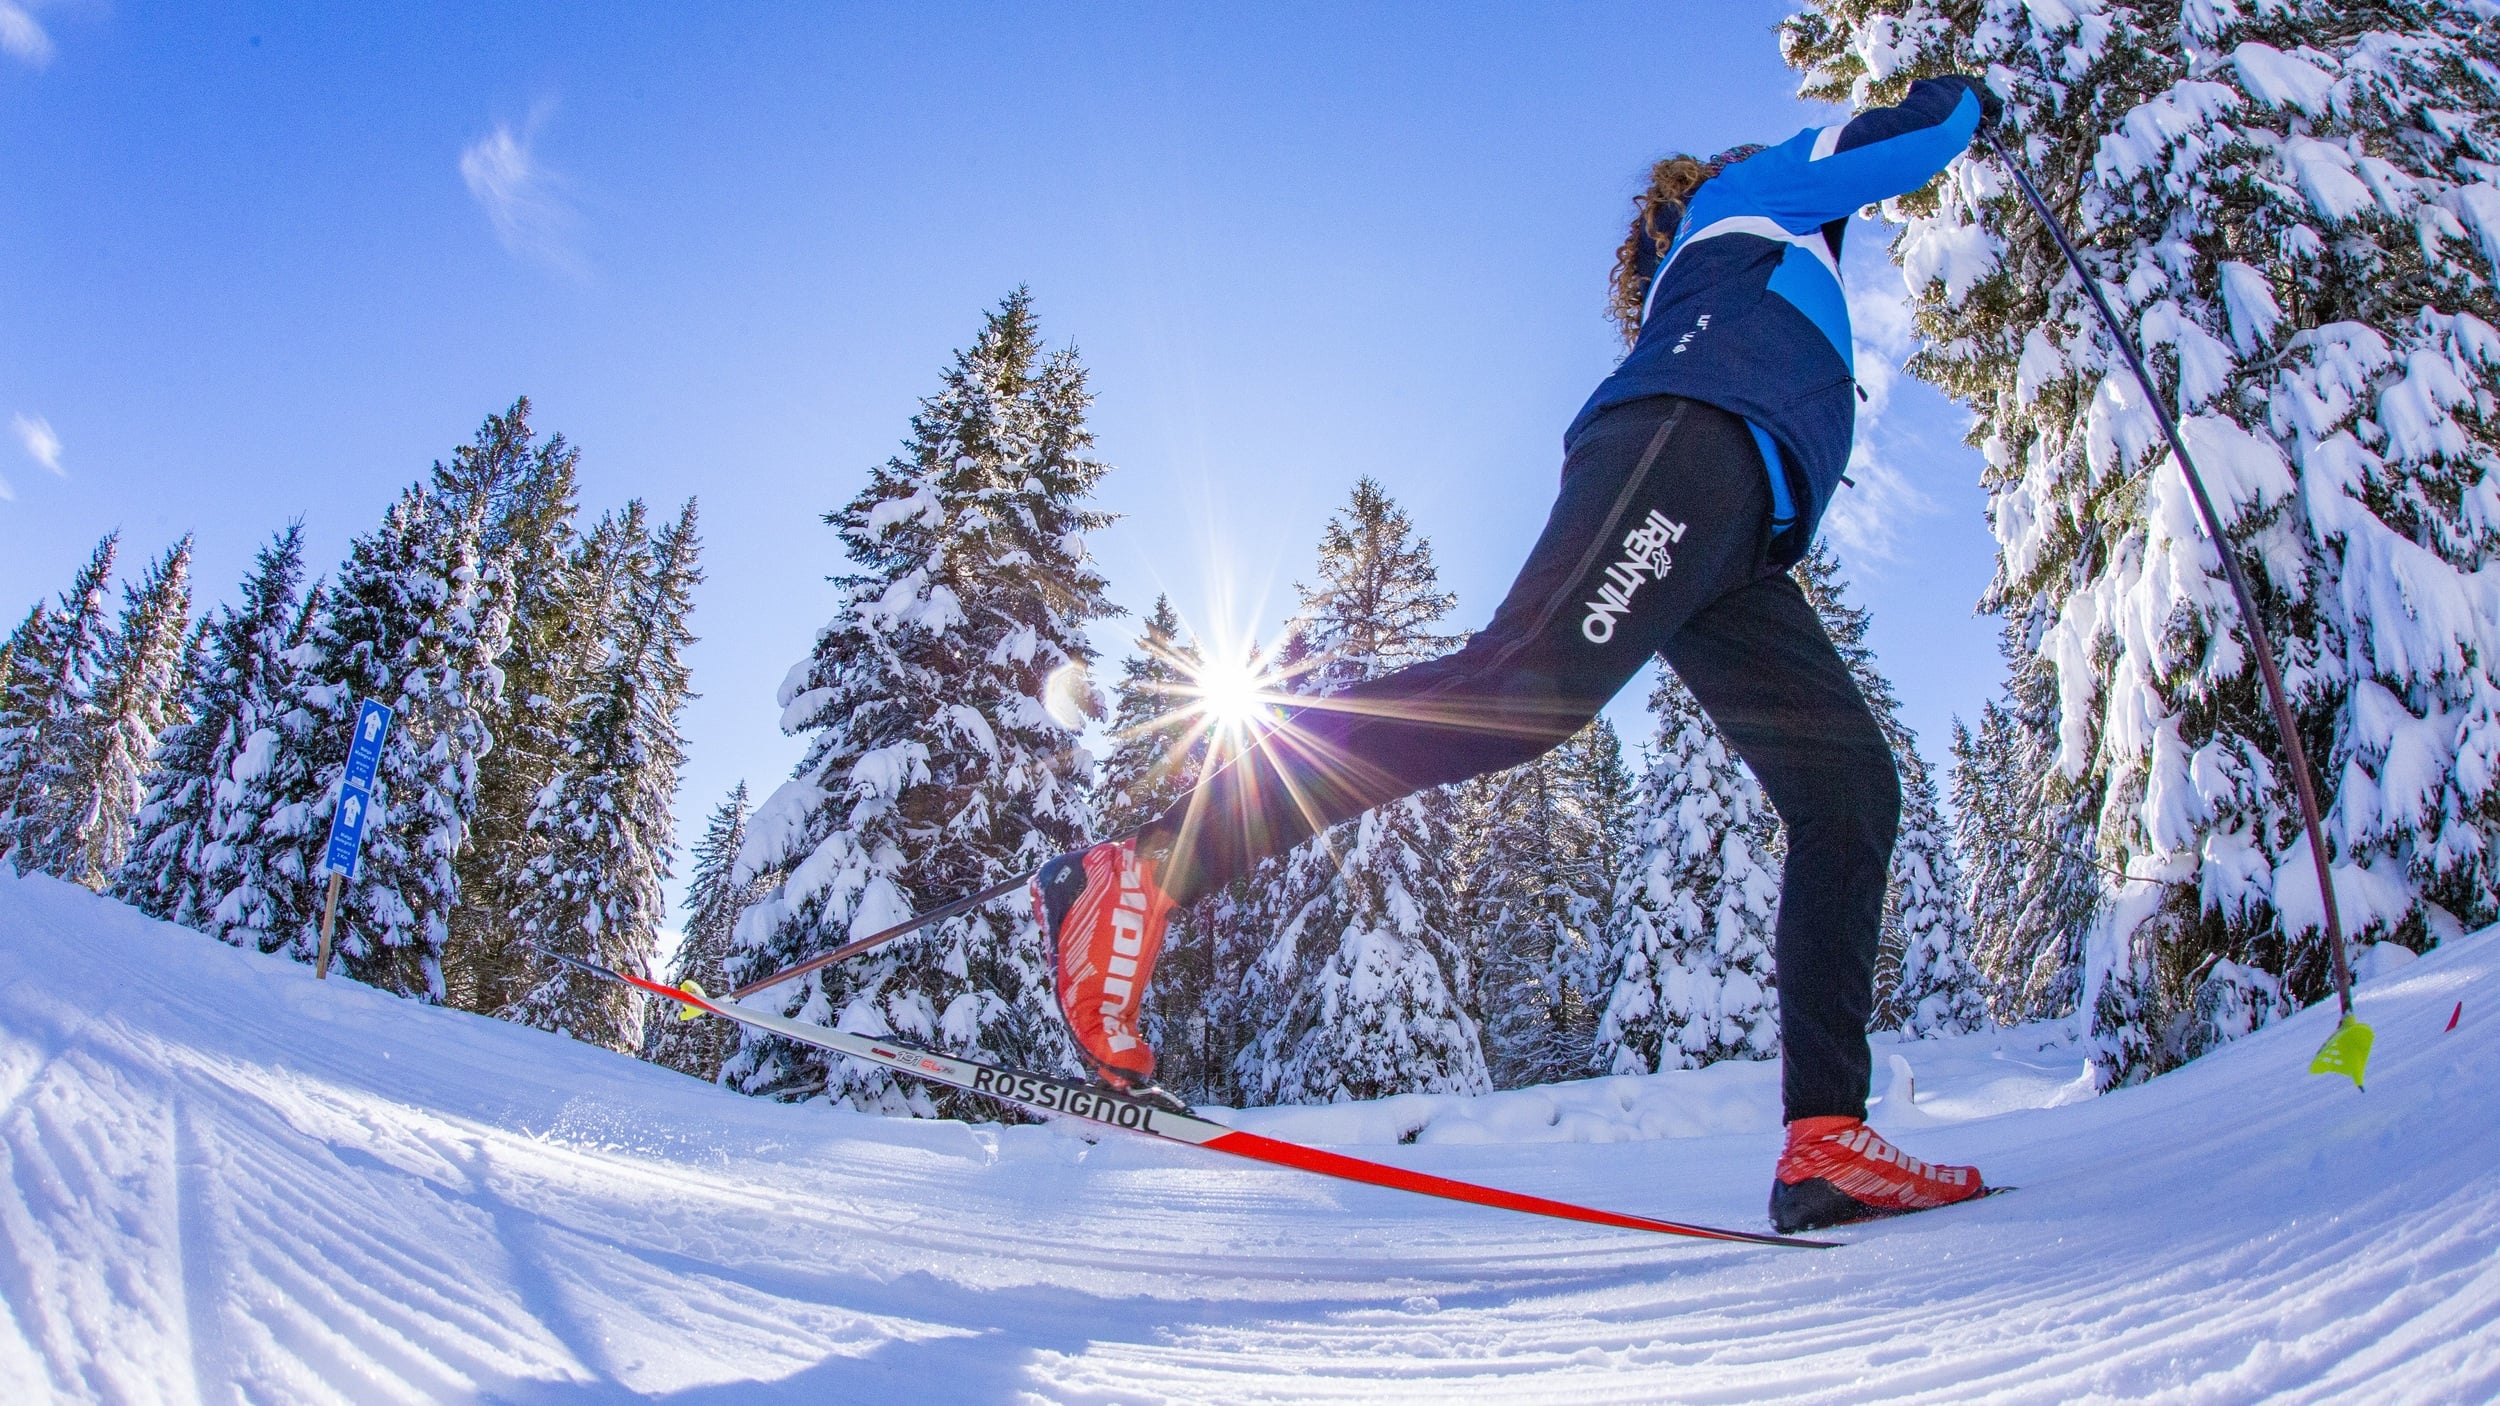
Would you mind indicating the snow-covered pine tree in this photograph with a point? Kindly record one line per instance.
(23, 669)
(2294, 206)
(2025, 840)
(1686, 979)
(169, 873)
(1925, 982)
(17, 640)
(1157, 748)
(1241, 924)
(247, 880)
(414, 622)
(1540, 845)
(1363, 989)
(525, 486)
(714, 899)
(1156, 745)
(55, 668)
(91, 806)
(603, 828)
(933, 768)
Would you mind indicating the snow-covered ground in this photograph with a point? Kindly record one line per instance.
(225, 1181)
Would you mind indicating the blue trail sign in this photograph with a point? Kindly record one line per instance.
(364, 758)
(347, 823)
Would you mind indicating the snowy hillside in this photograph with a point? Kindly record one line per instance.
(225, 1181)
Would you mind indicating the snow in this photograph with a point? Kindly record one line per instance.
(2278, 79)
(225, 1179)
(2205, 364)
(2189, 115)
(2479, 203)
(921, 506)
(2325, 172)
(2250, 301)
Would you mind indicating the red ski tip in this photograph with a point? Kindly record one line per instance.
(2452, 1016)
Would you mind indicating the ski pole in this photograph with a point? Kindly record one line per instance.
(2280, 701)
(909, 925)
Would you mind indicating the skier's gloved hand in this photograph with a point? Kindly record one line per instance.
(1991, 107)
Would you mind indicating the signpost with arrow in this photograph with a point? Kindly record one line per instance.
(347, 823)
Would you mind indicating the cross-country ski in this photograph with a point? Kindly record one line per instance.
(999, 702)
(1111, 1109)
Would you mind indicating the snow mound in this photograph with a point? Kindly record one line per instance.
(225, 1180)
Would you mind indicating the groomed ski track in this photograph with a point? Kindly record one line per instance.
(225, 1181)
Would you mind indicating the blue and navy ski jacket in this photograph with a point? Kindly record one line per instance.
(1746, 311)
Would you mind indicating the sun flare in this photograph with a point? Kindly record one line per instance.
(1230, 695)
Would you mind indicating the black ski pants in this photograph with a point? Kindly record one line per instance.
(1657, 544)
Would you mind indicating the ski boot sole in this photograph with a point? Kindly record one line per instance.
(1816, 1204)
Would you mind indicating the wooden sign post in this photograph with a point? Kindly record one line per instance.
(329, 916)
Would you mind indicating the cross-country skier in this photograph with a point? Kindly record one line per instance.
(1691, 482)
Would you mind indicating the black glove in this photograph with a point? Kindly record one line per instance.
(1991, 107)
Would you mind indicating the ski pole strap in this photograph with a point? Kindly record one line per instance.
(2279, 701)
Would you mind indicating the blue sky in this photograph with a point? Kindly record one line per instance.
(259, 262)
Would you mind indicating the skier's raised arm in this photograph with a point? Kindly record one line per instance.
(1825, 174)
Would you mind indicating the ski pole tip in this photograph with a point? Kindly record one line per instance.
(2346, 1052)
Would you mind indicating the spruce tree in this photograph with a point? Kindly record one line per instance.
(524, 487)
(20, 667)
(1156, 741)
(2026, 841)
(1240, 927)
(933, 768)
(17, 640)
(1158, 747)
(1363, 988)
(101, 781)
(602, 829)
(44, 718)
(414, 622)
(1925, 982)
(714, 899)
(23, 671)
(2289, 205)
(1540, 844)
(247, 880)
(173, 857)
(1686, 978)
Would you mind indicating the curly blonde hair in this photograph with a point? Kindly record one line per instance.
(1656, 214)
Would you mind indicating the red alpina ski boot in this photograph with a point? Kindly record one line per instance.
(1837, 1170)
(1103, 915)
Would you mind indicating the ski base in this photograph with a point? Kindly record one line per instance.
(1045, 1094)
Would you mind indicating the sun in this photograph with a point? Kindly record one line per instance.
(1230, 695)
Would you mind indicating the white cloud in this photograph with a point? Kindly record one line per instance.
(22, 37)
(35, 433)
(520, 196)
